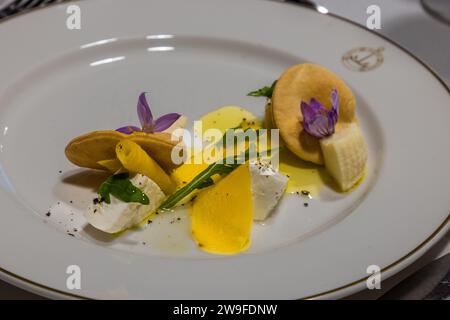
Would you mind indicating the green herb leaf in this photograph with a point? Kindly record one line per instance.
(204, 178)
(206, 183)
(120, 186)
(264, 92)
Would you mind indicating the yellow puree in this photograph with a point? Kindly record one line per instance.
(303, 175)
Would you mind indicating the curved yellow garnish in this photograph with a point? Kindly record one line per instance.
(136, 160)
(112, 165)
(222, 215)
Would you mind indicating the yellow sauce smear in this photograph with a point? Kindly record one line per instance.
(303, 175)
(222, 214)
(229, 117)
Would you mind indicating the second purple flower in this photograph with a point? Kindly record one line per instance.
(148, 123)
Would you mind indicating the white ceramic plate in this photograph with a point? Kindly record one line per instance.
(195, 56)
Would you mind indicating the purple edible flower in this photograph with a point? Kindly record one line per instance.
(318, 121)
(149, 125)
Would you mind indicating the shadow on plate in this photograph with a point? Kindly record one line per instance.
(86, 178)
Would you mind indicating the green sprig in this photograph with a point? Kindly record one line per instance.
(202, 180)
(264, 91)
(205, 178)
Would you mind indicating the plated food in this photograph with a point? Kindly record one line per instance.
(239, 169)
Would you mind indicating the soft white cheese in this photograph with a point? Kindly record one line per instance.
(118, 215)
(267, 187)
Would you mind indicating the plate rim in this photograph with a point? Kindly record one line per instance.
(336, 293)
(352, 287)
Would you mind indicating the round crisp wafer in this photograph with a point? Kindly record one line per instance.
(301, 83)
(86, 150)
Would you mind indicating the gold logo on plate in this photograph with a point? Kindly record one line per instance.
(363, 58)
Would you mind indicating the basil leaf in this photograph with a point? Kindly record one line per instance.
(120, 186)
(264, 92)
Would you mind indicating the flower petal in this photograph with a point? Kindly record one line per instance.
(128, 129)
(317, 107)
(317, 127)
(334, 112)
(310, 110)
(165, 121)
(318, 121)
(144, 112)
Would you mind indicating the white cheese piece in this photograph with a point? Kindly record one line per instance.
(118, 215)
(267, 187)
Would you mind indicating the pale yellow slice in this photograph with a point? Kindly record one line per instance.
(222, 214)
(345, 154)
